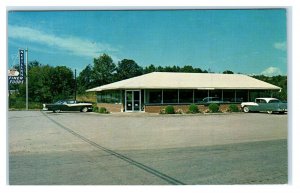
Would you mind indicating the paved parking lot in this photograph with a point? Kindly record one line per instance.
(89, 148)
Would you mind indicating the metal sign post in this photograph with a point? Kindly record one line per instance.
(26, 51)
(75, 90)
(17, 77)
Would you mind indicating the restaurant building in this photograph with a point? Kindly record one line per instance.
(152, 92)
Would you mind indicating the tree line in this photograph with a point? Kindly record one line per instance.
(48, 83)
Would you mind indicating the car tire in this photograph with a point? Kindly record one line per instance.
(246, 109)
(269, 112)
(56, 111)
(84, 109)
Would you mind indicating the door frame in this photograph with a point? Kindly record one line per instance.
(132, 101)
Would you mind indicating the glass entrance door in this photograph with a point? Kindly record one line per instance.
(133, 100)
(129, 98)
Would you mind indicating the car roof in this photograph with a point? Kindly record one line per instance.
(268, 99)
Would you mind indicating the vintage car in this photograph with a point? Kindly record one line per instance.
(68, 105)
(269, 105)
(217, 100)
(209, 100)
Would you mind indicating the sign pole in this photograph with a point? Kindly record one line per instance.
(75, 87)
(26, 78)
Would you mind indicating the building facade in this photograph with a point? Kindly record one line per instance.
(152, 92)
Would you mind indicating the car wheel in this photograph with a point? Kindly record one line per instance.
(246, 109)
(269, 112)
(84, 109)
(56, 111)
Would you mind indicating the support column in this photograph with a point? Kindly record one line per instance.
(162, 96)
(193, 96)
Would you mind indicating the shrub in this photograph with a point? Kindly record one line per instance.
(169, 110)
(103, 110)
(213, 108)
(162, 111)
(35, 105)
(233, 108)
(95, 109)
(179, 111)
(193, 109)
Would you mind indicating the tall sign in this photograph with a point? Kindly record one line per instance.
(15, 77)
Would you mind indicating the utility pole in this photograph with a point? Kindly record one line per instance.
(75, 87)
(26, 51)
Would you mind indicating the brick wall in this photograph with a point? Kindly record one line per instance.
(111, 107)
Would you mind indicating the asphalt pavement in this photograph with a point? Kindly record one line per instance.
(146, 149)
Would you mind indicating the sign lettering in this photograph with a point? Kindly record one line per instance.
(20, 78)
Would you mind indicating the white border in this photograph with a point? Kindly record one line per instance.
(293, 73)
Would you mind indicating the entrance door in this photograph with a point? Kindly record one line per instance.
(132, 100)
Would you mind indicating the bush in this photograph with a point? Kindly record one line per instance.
(233, 108)
(193, 109)
(20, 103)
(103, 110)
(213, 108)
(179, 111)
(169, 110)
(95, 109)
(162, 111)
(35, 105)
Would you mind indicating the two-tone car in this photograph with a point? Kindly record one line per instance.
(68, 105)
(269, 105)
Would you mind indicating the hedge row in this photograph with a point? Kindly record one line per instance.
(212, 108)
(102, 110)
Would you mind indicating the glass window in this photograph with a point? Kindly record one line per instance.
(261, 101)
(185, 96)
(199, 95)
(274, 101)
(109, 97)
(241, 95)
(153, 96)
(170, 96)
(215, 93)
(228, 96)
(256, 94)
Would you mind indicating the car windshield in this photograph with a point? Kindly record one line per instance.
(59, 102)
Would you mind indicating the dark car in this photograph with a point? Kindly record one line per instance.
(68, 105)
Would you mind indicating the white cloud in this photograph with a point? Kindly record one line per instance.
(280, 46)
(74, 45)
(272, 71)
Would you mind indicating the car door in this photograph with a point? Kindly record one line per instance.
(263, 105)
(259, 106)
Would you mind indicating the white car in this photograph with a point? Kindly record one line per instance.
(269, 105)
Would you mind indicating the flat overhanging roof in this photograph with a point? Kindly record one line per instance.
(200, 81)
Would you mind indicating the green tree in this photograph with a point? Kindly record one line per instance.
(85, 79)
(280, 81)
(160, 69)
(187, 68)
(103, 70)
(62, 82)
(128, 69)
(228, 72)
(39, 83)
(149, 69)
(47, 83)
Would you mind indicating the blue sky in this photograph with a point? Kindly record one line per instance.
(244, 41)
